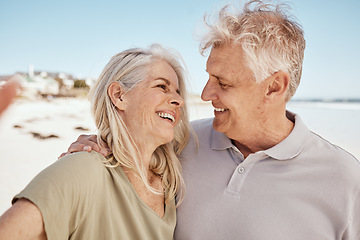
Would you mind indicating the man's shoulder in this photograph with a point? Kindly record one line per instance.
(202, 125)
(201, 135)
(332, 152)
(327, 146)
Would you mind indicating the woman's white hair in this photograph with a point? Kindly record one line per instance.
(130, 67)
(271, 41)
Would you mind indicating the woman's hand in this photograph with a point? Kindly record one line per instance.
(86, 143)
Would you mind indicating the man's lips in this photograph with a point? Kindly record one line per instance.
(220, 109)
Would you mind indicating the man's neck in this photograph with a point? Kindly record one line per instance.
(264, 138)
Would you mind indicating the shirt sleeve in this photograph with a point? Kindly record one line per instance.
(62, 192)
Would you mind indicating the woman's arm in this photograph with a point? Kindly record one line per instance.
(22, 221)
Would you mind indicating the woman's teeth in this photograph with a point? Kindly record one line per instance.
(166, 116)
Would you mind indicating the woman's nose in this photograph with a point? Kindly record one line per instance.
(177, 100)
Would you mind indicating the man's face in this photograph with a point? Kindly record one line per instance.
(238, 100)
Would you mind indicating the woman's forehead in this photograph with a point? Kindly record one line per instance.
(163, 71)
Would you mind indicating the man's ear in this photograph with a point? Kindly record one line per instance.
(115, 92)
(278, 85)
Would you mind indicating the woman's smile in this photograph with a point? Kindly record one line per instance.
(167, 116)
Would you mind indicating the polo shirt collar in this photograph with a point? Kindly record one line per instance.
(219, 141)
(292, 145)
(287, 149)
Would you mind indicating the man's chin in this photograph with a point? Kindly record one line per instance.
(219, 126)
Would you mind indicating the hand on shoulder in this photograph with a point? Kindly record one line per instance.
(86, 143)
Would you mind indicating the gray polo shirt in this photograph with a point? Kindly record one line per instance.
(303, 188)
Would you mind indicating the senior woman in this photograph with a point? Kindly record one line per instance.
(140, 115)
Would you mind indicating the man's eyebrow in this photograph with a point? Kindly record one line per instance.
(215, 76)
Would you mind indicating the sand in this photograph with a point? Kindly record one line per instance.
(32, 135)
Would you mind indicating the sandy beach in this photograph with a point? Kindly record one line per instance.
(32, 136)
(34, 133)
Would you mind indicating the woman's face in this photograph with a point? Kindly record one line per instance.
(152, 107)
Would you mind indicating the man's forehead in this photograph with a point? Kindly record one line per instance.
(216, 59)
(226, 53)
(221, 58)
(228, 63)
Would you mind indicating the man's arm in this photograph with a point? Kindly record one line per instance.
(22, 221)
(352, 231)
(86, 143)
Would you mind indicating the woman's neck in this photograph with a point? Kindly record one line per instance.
(156, 201)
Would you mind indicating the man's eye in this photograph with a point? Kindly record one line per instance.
(222, 85)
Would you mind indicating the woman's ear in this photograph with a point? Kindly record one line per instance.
(115, 92)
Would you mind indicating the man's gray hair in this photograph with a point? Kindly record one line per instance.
(271, 41)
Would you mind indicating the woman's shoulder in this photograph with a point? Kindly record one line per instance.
(83, 158)
(82, 164)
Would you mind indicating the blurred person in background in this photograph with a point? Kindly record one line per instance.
(7, 94)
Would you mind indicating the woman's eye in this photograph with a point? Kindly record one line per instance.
(163, 86)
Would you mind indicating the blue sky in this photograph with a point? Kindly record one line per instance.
(79, 37)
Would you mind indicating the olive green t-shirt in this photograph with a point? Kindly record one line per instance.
(80, 198)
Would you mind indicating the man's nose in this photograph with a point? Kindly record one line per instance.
(209, 92)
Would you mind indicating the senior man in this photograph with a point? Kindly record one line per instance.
(258, 171)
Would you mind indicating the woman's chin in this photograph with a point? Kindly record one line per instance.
(167, 138)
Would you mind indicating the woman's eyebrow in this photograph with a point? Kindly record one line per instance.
(165, 80)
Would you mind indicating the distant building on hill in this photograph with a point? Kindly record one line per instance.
(41, 83)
